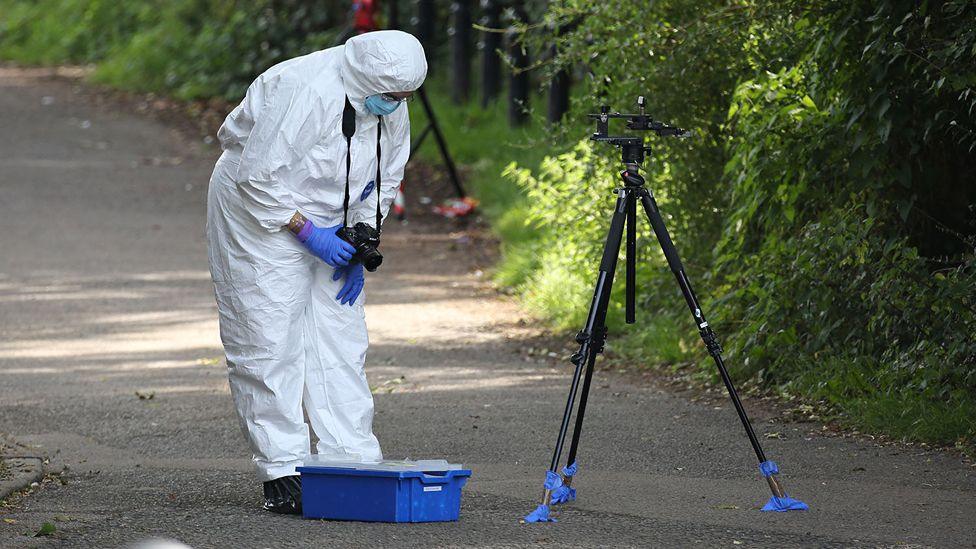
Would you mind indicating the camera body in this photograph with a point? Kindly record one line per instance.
(365, 239)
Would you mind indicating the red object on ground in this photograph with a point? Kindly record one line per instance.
(364, 15)
(456, 207)
(399, 205)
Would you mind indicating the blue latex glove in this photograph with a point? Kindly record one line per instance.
(353, 285)
(326, 244)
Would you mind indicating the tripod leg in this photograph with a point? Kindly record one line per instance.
(630, 208)
(441, 143)
(419, 141)
(631, 288)
(591, 340)
(768, 468)
(593, 335)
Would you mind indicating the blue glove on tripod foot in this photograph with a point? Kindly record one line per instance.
(326, 244)
(353, 286)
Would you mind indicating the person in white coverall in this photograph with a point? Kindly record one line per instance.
(288, 293)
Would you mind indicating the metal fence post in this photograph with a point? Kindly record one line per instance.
(558, 89)
(558, 96)
(491, 42)
(426, 23)
(518, 84)
(461, 50)
(393, 18)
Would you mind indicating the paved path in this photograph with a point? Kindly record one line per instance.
(104, 295)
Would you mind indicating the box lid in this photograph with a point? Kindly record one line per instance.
(317, 462)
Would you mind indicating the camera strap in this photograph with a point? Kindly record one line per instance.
(349, 130)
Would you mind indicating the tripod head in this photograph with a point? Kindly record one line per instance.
(632, 148)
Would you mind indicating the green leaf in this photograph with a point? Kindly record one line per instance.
(884, 131)
(883, 108)
(905, 208)
(734, 108)
(808, 102)
(789, 212)
(46, 530)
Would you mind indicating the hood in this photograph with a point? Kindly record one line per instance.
(382, 62)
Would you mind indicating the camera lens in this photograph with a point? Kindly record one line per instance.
(371, 257)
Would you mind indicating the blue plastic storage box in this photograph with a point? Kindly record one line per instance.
(386, 491)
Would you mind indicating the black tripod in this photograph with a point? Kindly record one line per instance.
(435, 128)
(591, 339)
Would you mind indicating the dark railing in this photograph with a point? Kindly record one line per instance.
(496, 39)
(491, 44)
(460, 50)
(518, 76)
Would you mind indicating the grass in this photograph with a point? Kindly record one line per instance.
(484, 143)
(854, 392)
(481, 139)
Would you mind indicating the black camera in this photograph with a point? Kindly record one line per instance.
(365, 239)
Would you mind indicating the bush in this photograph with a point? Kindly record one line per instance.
(185, 48)
(820, 203)
(66, 31)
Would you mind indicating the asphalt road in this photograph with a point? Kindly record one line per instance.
(105, 296)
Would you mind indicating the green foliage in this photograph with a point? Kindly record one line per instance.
(470, 131)
(66, 31)
(846, 293)
(201, 48)
(564, 213)
(849, 238)
(46, 529)
(185, 48)
(822, 202)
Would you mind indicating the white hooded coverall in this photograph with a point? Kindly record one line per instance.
(287, 340)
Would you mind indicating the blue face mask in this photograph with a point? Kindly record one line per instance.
(379, 106)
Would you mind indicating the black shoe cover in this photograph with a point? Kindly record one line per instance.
(284, 495)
